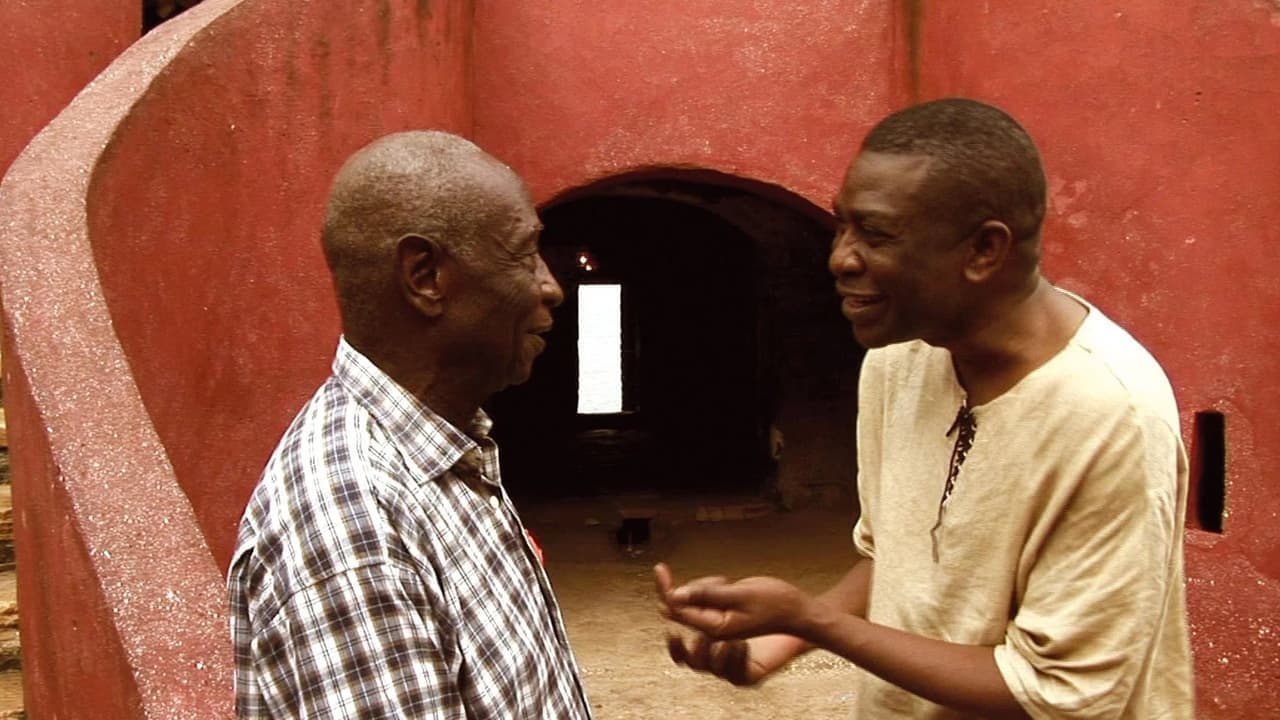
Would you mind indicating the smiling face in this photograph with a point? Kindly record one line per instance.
(506, 292)
(898, 261)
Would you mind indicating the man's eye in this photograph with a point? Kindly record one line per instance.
(872, 236)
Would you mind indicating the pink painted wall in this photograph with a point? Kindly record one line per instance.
(49, 51)
(570, 92)
(167, 310)
(1158, 125)
(206, 212)
(167, 307)
(1158, 129)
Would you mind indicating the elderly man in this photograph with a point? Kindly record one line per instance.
(1022, 477)
(381, 570)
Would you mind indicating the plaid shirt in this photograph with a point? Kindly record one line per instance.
(382, 572)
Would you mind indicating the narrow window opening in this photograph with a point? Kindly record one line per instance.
(1208, 490)
(599, 349)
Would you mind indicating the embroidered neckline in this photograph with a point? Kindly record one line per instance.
(964, 427)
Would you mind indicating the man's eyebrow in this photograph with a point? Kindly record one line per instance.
(534, 236)
(872, 215)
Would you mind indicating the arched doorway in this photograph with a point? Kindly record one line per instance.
(726, 337)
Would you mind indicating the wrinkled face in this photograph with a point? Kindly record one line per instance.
(898, 266)
(509, 294)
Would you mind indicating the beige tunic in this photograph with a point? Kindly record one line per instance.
(1061, 544)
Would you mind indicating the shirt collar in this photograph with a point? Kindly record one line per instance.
(428, 441)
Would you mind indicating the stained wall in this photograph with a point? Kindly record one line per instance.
(1157, 127)
(166, 311)
(50, 51)
(1157, 124)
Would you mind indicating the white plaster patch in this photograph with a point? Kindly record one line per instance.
(1062, 195)
(1273, 6)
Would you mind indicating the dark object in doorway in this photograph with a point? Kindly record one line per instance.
(633, 531)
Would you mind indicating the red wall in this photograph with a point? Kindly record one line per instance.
(49, 50)
(1158, 123)
(167, 310)
(167, 307)
(570, 92)
(206, 210)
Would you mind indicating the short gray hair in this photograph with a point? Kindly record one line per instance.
(422, 182)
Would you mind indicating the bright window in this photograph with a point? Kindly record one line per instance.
(599, 349)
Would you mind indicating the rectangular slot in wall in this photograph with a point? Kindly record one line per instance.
(1207, 504)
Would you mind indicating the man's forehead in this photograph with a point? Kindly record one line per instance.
(518, 224)
(876, 164)
(877, 177)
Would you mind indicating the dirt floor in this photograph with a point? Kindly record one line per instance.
(606, 594)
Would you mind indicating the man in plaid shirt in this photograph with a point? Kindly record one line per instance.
(381, 570)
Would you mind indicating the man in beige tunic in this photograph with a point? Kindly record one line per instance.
(1022, 478)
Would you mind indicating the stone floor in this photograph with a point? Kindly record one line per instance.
(607, 596)
(604, 580)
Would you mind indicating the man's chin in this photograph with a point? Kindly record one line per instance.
(870, 337)
(520, 375)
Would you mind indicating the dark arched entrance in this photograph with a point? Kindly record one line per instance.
(730, 336)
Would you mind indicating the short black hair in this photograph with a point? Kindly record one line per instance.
(985, 165)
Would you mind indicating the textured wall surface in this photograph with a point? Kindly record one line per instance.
(1158, 126)
(206, 211)
(772, 96)
(570, 92)
(167, 310)
(121, 609)
(49, 51)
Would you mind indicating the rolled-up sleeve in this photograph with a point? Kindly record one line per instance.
(1095, 594)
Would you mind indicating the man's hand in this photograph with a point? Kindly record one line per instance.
(733, 611)
(726, 659)
(741, 662)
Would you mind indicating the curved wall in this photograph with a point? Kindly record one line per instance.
(167, 310)
(121, 610)
(206, 214)
(1158, 126)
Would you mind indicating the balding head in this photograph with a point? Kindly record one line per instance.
(426, 183)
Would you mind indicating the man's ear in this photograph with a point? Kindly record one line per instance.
(419, 272)
(989, 249)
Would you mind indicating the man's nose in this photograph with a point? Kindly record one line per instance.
(844, 258)
(552, 293)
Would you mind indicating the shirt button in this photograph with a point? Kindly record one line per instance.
(494, 502)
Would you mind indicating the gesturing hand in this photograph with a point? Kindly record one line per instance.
(727, 659)
(733, 611)
(737, 661)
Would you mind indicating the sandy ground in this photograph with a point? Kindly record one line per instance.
(606, 594)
